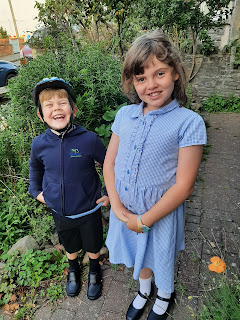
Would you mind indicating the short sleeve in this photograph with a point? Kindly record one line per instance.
(116, 124)
(193, 132)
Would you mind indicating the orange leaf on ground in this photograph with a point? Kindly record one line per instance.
(14, 306)
(217, 265)
(6, 307)
(13, 298)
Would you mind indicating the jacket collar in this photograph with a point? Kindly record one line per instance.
(76, 131)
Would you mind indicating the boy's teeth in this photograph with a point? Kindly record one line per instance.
(58, 117)
(154, 94)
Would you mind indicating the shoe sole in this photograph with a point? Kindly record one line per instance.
(96, 297)
(73, 294)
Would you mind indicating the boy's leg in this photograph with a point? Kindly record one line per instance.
(74, 275)
(94, 290)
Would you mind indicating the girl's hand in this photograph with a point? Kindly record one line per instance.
(121, 213)
(132, 222)
(103, 199)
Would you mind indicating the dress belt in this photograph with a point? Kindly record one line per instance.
(79, 215)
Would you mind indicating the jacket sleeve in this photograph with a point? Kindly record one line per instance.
(36, 171)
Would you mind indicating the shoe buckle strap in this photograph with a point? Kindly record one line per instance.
(93, 278)
(163, 299)
(144, 296)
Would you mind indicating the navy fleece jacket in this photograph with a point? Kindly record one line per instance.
(64, 169)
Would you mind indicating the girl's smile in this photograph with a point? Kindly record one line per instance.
(156, 84)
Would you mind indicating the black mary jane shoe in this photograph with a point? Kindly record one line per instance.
(153, 316)
(94, 290)
(135, 314)
(73, 283)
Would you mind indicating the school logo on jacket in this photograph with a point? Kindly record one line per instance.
(74, 153)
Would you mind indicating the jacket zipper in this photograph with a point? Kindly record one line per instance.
(61, 169)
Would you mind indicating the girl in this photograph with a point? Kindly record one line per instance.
(150, 168)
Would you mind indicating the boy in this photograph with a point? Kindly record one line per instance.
(62, 175)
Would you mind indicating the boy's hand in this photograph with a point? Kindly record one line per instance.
(104, 200)
(41, 198)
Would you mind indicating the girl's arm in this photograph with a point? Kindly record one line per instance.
(109, 178)
(189, 159)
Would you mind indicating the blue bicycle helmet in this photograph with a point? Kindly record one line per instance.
(54, 83)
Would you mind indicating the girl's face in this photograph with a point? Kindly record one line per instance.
(156, 84)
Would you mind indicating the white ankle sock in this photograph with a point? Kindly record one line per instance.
(160, 306)
(145, 289)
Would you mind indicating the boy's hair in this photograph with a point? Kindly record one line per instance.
(48, 93)
(152, 44)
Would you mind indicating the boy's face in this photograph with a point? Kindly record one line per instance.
(57, 112)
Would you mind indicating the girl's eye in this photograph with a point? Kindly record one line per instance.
(140, 79)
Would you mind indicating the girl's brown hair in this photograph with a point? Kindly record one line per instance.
(153, 44)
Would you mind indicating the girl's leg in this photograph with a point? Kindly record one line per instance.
(160, 306)
(145, 281)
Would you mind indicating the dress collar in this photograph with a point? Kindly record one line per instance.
(138, 110)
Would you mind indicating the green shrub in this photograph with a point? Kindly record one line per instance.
(217, 103)
(29, 270)
(222, 302)
(207, 44)
(94, 74)
(20, 214)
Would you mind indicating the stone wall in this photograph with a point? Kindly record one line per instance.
(215, 76)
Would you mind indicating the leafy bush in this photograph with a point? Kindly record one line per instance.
(3, 33)
(20, 214)
(222, 302)
(29, 270)
(216, 103)
(94, 74)
(207, 44)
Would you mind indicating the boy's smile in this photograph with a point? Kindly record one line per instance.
(57, 112)
(156, 84)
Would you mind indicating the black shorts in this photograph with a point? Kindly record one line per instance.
(81, 233)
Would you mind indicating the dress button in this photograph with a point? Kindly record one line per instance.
(128, 172)
(126, 188)
(135, 147)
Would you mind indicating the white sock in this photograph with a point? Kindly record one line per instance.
(160, 306)
(145, 289)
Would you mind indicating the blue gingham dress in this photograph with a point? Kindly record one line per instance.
(145, 168)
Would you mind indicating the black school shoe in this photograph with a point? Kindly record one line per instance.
(94, 290)
(135, 314)
(153, 316)
(73, 283)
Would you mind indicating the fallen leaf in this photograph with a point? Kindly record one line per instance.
(14, 306)
(6, 307)
(13, 298)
